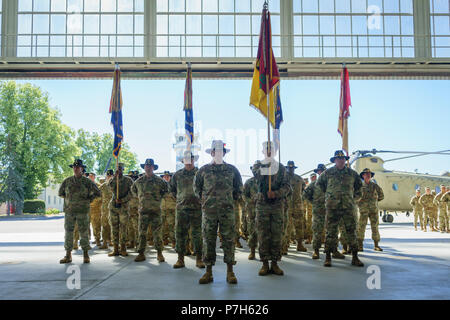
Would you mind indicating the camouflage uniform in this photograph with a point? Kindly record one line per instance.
(150, 191)
(418, 211)
(314, 194)
(308, 218)
(218, 186)
(118, 217)
(368, 209)
(295, 205)
(446, 199)
(237, 218)
(188, 211)
(426, 200)
(78, 193)
(269, 212)
(250, 193)
(106, 198)
(168, 204)
(342, 188)
(443, 220)
(96, 218)
(133, 223)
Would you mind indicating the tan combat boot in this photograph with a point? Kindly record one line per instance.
(327, 262)
(180, 262)
(231, 277)
(377, 247)
(338, 255)
(264, 269)
(345, 249)
(75, 245)
(173, 244)
(160, 256)
(300, 246)
(275, 269)
(251, 256)
(140, 257)
(316, 254)
(67, 258)
(207, 277)
(199, 262)
(86, 256)
(355, 259)
(123, 250)
(115, 251)
(238, 244)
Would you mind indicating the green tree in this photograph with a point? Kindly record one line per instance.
(43, 145)
(96, 150)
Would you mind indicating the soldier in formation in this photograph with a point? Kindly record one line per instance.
(371, 193)
(417, 210)
(250, 194)
(120, 186)
(426, 200)
(133, 223)
(269, 208)
(150, 189)
(168, 204)
(443, 219)
(218, 185)
(78, 193)
(106, 199)
(188, 211)
(96, 214)
(342, 188)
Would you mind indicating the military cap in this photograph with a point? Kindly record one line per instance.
(92, 173)
(110, 172)
(150, 162)
(217, 144)
(77, 163)
(186, 155)
(339, 154)
(366, 170)
(291, 164)
(320, 167)
(168, 173)
(313, 175)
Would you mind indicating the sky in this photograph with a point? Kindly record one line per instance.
(399, 115)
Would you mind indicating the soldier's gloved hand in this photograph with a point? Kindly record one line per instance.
(271, 195)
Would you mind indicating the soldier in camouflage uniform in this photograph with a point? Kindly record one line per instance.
(249, 195)
(133, 223)
(317, 197)
(435, 213)
(78, 192)
(168, 205)
(295, 204)
(244, 220)
(188, 211)
(342, 188)
(426, 200)
(106, 198)
(443, 222)
(418, 209)
(269, 208)
(96, 214)
(371, 194)
(308, 214)
(446, 199)
(118, 210)
(150, 189)
(217, 185)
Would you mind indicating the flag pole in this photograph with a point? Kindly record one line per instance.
(117, 159)
(265, 55)
(345, 121)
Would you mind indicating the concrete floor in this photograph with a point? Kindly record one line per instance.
(414, 265)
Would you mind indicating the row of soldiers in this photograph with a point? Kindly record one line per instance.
(206, 204)
(427, 206)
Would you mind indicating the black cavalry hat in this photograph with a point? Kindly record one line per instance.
(291, 164)
(366, 170)
(77, 163)
(320, 167)
(150, 162)
(339, 154)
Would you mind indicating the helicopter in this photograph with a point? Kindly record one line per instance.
(398, 186)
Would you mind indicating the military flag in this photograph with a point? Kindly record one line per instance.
(265, 75)
(278, 119)
(344, 108)
(188, 112)
(115, 108)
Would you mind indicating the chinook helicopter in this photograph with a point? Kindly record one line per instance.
(398, 186)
